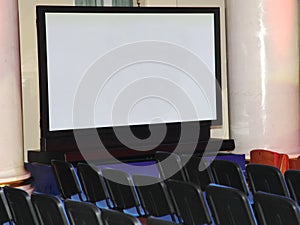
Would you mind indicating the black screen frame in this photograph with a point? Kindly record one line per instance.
(141, 130)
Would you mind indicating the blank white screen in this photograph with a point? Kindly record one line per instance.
(142, 91)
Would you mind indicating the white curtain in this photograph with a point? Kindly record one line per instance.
(127, 3)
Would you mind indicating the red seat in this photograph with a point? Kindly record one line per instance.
(294, 163)
(271, 158)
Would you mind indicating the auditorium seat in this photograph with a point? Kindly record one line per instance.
(21, 207)
(266, 178)
(5, 215)
(93, 185)
(194, 175)
(156, 221)
(154, 196)
(169, 166)
(189, 203)
(292, 178)
(67, 180)
(229, 174)
(122, 192)
(113, 217)
(294, 163)
(229, 206)
(271, 158)
(274, 209)
(80, 213)
(49, 209)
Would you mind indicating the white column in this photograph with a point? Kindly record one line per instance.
(263, 72)
(11, 135)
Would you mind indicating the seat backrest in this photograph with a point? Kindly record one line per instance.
(92, 183)
(275, 209)
(122, 192)
(113, 217)
(66, 178)
(189, 203)
(156, 221)
(266, 178)
(169, 166)
(49, 209)
(229, 173)
(80, 213)
(292, 178)
(153, 195)
(200, 178)
(294, 163)
(5, 215)
(229, 206)
(21, 207)
(271, 158)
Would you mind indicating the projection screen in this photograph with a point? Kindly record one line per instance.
(106, 67)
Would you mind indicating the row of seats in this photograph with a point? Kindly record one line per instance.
(272, 158)
(260, 177)
(18, 208)
(229, 206)
(182, 206)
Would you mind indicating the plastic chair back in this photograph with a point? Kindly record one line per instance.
(80, 213)
(167, 164)
(92, 183)
(21, 207)
(189, 203)
(294, 163)
(66, 178)
(122, 193)
(229, 174)
(194, 175)
(49, 209)
(154, 197)
(267, 179)
(270, 158)
(113, 217)
(292, 178)
(276, 209)
(156, 221)
(5, 215)
(229, 206)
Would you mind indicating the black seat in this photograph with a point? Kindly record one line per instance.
(21, 207)
(154, 196)
(190, 205)
(66, 178)
(80, 213)
(267, 179)
(113, 217)
(156, 221)
(229, 206)
(276, 209)
(121, 190)
(169, 166)
(49, 209)
(92, 183)
(5, 215)
(200, 178)
(292, 178)
(229, 174)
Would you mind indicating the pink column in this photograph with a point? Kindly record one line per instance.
(263, 73)
(12, 170)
